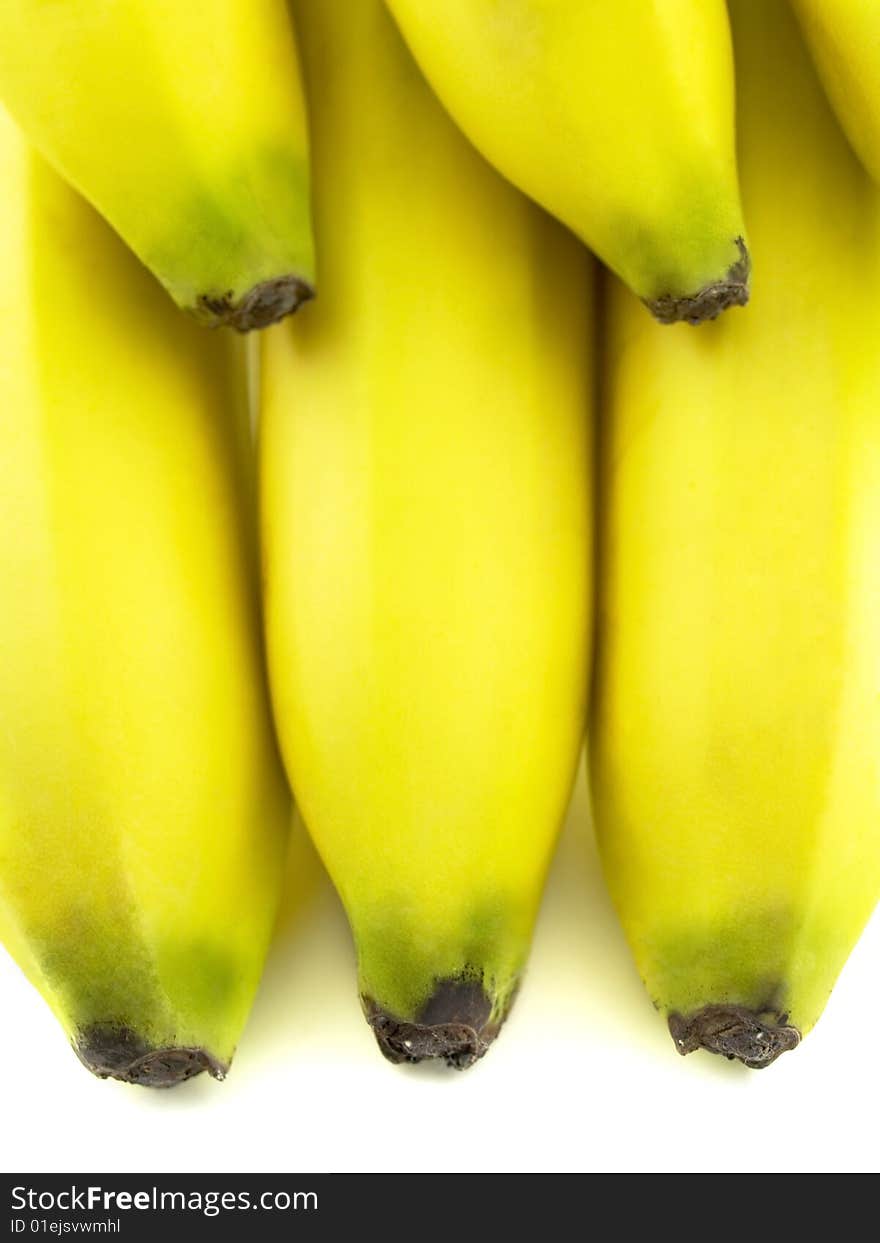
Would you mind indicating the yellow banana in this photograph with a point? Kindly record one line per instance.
(737, 709)
(426, 515)
(142, 806)
(183, 123)
(618, 118)
(844, 37)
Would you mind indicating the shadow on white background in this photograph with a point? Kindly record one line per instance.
(583, 1077)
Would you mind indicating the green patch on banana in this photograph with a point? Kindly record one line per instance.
(743, 960)
(401, 961)
(222, 246)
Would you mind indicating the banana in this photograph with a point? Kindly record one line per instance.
(426, 519)
(143, 809)
(618, 118)
(736, 718)
(844, 37)
(184, 125)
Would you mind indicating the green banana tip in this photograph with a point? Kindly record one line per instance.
(117, 1052)
(455, 1025)
(709, 302)
(264, 304)
(755, 1038)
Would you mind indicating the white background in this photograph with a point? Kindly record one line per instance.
(584, 1076)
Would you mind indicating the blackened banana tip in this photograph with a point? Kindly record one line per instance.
(265, 304)
(755, 1038)
(710, 301)
(117, 1052)
(455, 1025)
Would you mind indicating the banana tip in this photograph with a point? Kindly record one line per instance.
(112, 1052)
(264, 304)
(455, 1025)
(755, 1038)
(709, 302)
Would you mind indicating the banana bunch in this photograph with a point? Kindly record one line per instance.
(399, 584)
